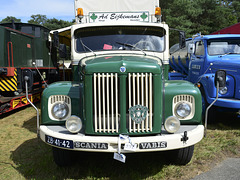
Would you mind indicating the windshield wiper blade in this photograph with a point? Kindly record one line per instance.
(84, 46)
(230, 53)
(131, 46)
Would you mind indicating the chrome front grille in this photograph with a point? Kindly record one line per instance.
(106, 101)
(105, 97)
(140, 90)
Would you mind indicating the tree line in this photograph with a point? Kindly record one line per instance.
(51, 24)
(195, 16)
(191, 16)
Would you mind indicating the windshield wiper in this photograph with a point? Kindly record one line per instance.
(131, 46)
(229, 53)
(84, 46)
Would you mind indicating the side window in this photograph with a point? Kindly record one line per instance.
(26, 29)
(199, 51)
(37, 32)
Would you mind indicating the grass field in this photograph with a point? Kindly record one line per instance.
(24, 156)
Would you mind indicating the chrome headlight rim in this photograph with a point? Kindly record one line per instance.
(74, 124)
(183, 110)
(64, 107)
(172, 124)
(223, 90)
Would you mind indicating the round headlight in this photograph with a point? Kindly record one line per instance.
(73, 124)
(183, 110)
(60, 110)
(172, 124)
(223, 90)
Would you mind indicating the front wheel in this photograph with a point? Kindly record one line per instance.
(182, 156)
(63, 157)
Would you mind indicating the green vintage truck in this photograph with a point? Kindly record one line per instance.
(120, 100)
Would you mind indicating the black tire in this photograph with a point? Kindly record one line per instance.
(182, 156)
(63, 157)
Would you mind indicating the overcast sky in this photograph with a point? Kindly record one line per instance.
(23, 9)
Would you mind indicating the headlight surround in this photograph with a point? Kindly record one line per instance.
(172, 124)
(183, 110)
(73, 124)
(60, 110)
(223, 90)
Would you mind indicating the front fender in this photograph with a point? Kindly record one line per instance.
(68, 88)
(173, 88)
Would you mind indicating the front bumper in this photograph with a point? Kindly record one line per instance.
(58, 136)
(226, 103)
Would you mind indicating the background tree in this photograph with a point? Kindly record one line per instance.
(9, 19)
(57, 24)
(38, 19)
(49, 23)
(194, 16)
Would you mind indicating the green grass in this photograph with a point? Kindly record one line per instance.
(23, 156)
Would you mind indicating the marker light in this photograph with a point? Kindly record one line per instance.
(79, 12)
(157, 11)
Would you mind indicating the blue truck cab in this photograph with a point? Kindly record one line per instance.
(199, 61)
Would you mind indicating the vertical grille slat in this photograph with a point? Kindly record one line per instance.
(106, 107)
(116, 100)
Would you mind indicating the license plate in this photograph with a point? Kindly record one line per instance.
(63, 143)
(153, 145)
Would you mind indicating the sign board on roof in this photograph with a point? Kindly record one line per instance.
(118, 16)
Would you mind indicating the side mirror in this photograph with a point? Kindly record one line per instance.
(27, 75)
(190, 48)
(220, 77)
(55, 39)
(182, 39)
(62, 51)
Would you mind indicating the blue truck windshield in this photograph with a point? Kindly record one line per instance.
(223, 46)
(120, 38)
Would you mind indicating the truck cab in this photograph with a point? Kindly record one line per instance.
(208, 54)
(120, 100)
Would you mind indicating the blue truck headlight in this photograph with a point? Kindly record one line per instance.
(172, 124)
(223, 90)
(183, 110)
(60, 110)
(73, 124)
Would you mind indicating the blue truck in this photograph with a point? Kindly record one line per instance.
(198, 63)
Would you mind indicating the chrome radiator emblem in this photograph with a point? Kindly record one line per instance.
(138, 113)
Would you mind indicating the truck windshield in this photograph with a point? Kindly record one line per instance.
(120, 38)
(223, 46)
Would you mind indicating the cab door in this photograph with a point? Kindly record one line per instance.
(196, 67)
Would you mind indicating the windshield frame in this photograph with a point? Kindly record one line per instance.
(223, 42)
(159, 33)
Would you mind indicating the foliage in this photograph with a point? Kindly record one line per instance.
(205, 16)
(49, 23)
(56, 24)
(38, 19)
(9, 19)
